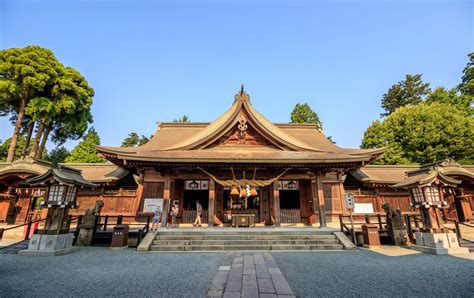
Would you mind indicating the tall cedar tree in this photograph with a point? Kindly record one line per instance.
(182, 119)
(410, 91)
(58, 155)
(302, 113)
(467, 83)
(25, 74)
(86, 151)
(134, 140)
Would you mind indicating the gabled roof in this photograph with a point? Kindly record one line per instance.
(94, 172)
(446, 171)
(382, 174)
(62, 174)
(241, 134)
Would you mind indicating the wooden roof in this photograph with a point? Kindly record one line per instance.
(94, 172)
(407, 174)
(240, 135)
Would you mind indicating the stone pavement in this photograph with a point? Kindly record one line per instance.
(248, 274)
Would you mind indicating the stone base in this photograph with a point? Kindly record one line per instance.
(440, 251)
(119, 248)
(49, 245)
(48, 253)
(438, 243)
(372, 246)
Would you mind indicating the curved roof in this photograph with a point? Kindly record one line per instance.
(196, 142)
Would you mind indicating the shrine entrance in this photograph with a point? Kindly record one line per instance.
(195, 190)
(290, 209)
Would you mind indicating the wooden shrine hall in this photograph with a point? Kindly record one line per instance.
(242, 164)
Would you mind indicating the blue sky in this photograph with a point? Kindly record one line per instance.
(151, 61)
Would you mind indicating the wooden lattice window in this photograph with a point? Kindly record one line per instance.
(432, 194)
(417, 194)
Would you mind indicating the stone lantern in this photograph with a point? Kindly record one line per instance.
(426, 186)
(62, 184)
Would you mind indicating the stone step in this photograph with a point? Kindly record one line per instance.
(242, 237)
(245, 242)
(243, 231)
(245, 247)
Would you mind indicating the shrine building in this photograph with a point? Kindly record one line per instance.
(242, 162)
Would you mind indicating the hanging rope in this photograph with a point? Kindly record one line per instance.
(241, 182)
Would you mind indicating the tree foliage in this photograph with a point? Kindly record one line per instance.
(423, 133)
(182, 119)
(412, 90)
(18, 150)
(86, 151)
(134, 140)
(302, 113)
(58, 155)
(467, 83)
(37, 90)
(452, 97)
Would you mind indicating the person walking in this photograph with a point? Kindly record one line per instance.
(197, 222)
(174, 214)
(156, 218)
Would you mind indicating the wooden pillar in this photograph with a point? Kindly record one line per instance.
(276, 203)
(318, 199)
(166, 201)
(212, 204)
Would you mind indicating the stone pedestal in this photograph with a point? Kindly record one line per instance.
(85, 237)
(438, 243)
(49, 245)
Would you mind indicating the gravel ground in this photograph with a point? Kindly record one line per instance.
(363, 273)
(100, 272)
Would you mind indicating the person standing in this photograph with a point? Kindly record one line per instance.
(174, 214)
(156, 218)
(197, 222)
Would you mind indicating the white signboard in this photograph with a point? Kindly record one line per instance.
(364, 208)
(350, 202)
(150, 205)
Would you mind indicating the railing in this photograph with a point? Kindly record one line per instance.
(290, 215)
(28, 228)
(368, 219)
(102, 223)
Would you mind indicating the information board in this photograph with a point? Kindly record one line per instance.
(151, 204)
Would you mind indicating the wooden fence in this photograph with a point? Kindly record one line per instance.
(189, 215)
(290, 215)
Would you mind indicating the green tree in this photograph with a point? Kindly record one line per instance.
(467, 83)
(21, 142)
(302, 113)
(412, 90)
(58, 155)
(86, 151)
(423, 133)
(134, 140)
(25, 74)
(452, 97)
(182, 119)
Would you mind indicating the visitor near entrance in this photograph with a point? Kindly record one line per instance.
(174, 214)
(156, 218)
(197, 222)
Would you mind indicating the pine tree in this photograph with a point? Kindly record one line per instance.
(85, 151)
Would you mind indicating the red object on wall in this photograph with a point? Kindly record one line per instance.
(34, 227)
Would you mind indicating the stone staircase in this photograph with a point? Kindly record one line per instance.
(244, 239)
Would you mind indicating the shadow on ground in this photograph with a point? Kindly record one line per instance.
(101, 272)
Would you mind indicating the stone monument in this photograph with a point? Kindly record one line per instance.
(86, 229)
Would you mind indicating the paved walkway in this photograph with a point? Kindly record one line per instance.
(249, 275)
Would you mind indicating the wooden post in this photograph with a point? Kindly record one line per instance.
(276, 204)
(318, 200)
(166, 201)
(212, 203)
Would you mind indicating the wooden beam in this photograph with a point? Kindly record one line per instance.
(318, 200)
(166, 201)
(276, 203)
(212, 203)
